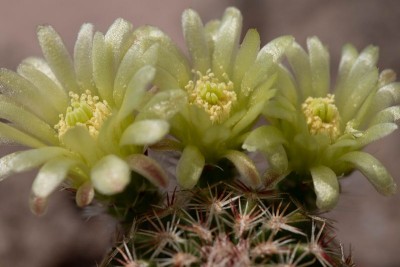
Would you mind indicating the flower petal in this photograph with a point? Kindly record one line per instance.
(145, 132)
(51, 175)
(119, 37)
(326, 187)
(281, 108)
(147, 36)
(276, 48)
(136, 57)
(340, 147)
(26, 160)
(211, 30)
(360, 83)
(41, 65)
(166, 77)
(53, 93)
(26, 121)
(390, 114)
(375, 172)
(196, 42)
(349, 56)
(300, 64)
(366, 60)
(287, 88)
(190, 167)
(164, 105)
(255, 106)
(361, 117)
(165, 80)
(213, 138)
(269, 141)
(169, 62)
(9, 133)
(226, 41)
(103, 69)
(386, 96)
(319, 63)
(259, 73)
(109, 134)
(83, 59)
(110, 175)
(58, 57)
(246, 55)
(135, 91)
(79, 140)
(248, 171)
(148, 168)
(376, 132)
(264, 92)
(263, 137)
(22, 91)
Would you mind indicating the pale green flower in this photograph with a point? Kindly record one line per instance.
(227, 85)
(322, 133)
(80, 116)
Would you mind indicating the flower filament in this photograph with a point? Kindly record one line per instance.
(215, 97)
(85, 110)
(322, 116)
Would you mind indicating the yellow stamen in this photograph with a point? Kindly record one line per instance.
(214, 96)
(85, 110)
(322, 116)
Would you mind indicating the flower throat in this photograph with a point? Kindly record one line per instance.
(322, 116)
(212, 95)
(84, 110)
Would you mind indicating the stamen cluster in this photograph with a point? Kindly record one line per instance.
(322, 116)
(85, 110)
(214, 96)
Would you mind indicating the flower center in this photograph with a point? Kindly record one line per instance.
(85, 110)
(214, 96)
(322, 116)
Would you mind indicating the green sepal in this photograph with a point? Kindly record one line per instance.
(26, 160)
(51, 175)
(110, 175)
(148, 168)
(269, 141)
(145, 132)
(326, 187)
(190, 167)
(373, 170)
(84, 194)
(247, 170)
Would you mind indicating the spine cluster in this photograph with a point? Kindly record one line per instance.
(228, 225)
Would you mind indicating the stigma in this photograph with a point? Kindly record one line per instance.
(84, 110)
(215, 97)
(322, 116)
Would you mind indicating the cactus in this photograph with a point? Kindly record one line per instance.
(226, 224)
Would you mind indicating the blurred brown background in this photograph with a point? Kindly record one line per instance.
(366, 220)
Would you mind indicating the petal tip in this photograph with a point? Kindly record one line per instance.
(38, 205)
